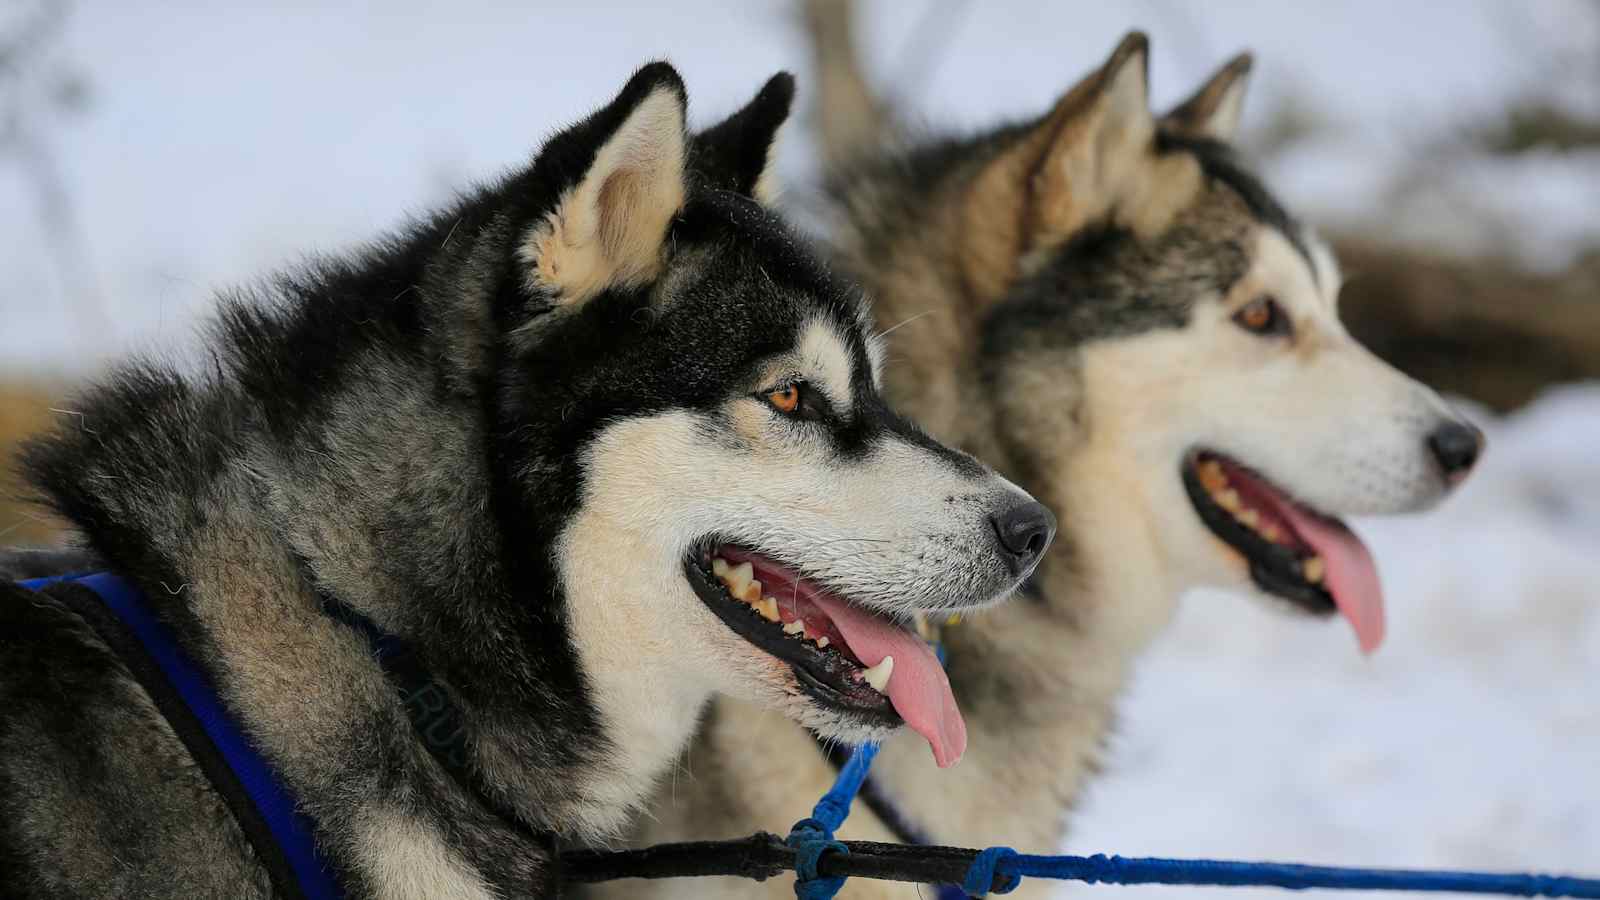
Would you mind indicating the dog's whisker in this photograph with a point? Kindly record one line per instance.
(903, 323)
(855, 555)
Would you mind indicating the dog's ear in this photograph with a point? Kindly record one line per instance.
(739, 153)
(1213, 111)
(1074, 167)
(608, 227)
(1098, 134)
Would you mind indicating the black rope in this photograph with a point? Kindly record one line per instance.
(763, 855)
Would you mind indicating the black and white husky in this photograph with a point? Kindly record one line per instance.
(597, 443)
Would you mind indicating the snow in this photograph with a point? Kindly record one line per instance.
(223, 142)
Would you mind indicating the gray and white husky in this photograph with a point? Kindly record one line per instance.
(1110, 308)
(598, 442)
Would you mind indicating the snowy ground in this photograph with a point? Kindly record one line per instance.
(220, 143)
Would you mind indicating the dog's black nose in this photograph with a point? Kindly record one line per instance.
(1024, 531)
(1456, 445)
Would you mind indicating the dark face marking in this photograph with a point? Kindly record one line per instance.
(740, 289)
(1220, 163)
(1109, 282)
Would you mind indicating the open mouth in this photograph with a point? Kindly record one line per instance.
(843, 656)
(1300, 554)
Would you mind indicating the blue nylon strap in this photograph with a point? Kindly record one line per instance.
(290, 829)
(1101, 869)
(812, 837)
(834, 807)
(981, 875)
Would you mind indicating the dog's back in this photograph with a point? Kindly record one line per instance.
(93, 780)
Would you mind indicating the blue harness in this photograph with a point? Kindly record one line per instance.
(260, 802)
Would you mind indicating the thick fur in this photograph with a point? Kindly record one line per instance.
(1058, 296)
(498, 436)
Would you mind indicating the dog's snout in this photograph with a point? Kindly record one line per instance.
(1025, 530)
(1456, 446)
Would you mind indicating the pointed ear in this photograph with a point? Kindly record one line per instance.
(1072, 168)
(739, 153)
(608, 228)
(1214, 110)
(1102, 130)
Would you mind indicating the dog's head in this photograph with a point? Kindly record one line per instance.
(1162, 341)
(693, 400)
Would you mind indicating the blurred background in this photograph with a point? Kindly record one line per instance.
(150, 155)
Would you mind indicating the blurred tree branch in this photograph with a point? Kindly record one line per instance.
(34, 91)
(1480, 326)
(1481, 329)
(1538, 126)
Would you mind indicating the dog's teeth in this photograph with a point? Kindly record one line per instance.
(719, 567)
(1229, 500)
(878, 675)
(768, 608)
(739, 577)
(795, 627)
(1250, 517)
(1212, 477)
(1313, 569)
(1271, 533)
(751, 593)
(822, 642)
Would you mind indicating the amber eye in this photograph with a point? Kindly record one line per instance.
(785, 399)
(1262, 316)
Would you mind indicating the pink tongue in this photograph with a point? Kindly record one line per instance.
(918, 687)
(1351, 577)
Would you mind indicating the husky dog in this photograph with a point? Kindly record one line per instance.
(598, 442)
(1111, 309)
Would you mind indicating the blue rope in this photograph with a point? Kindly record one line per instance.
(834, 807)
(813, 837)
(981, 875)
(1100, 869)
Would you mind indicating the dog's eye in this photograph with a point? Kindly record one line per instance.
(786, 399)
(1262, 316)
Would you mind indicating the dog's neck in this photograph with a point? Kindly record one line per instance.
(649, 689)
(565, 731)
(1038, 681)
